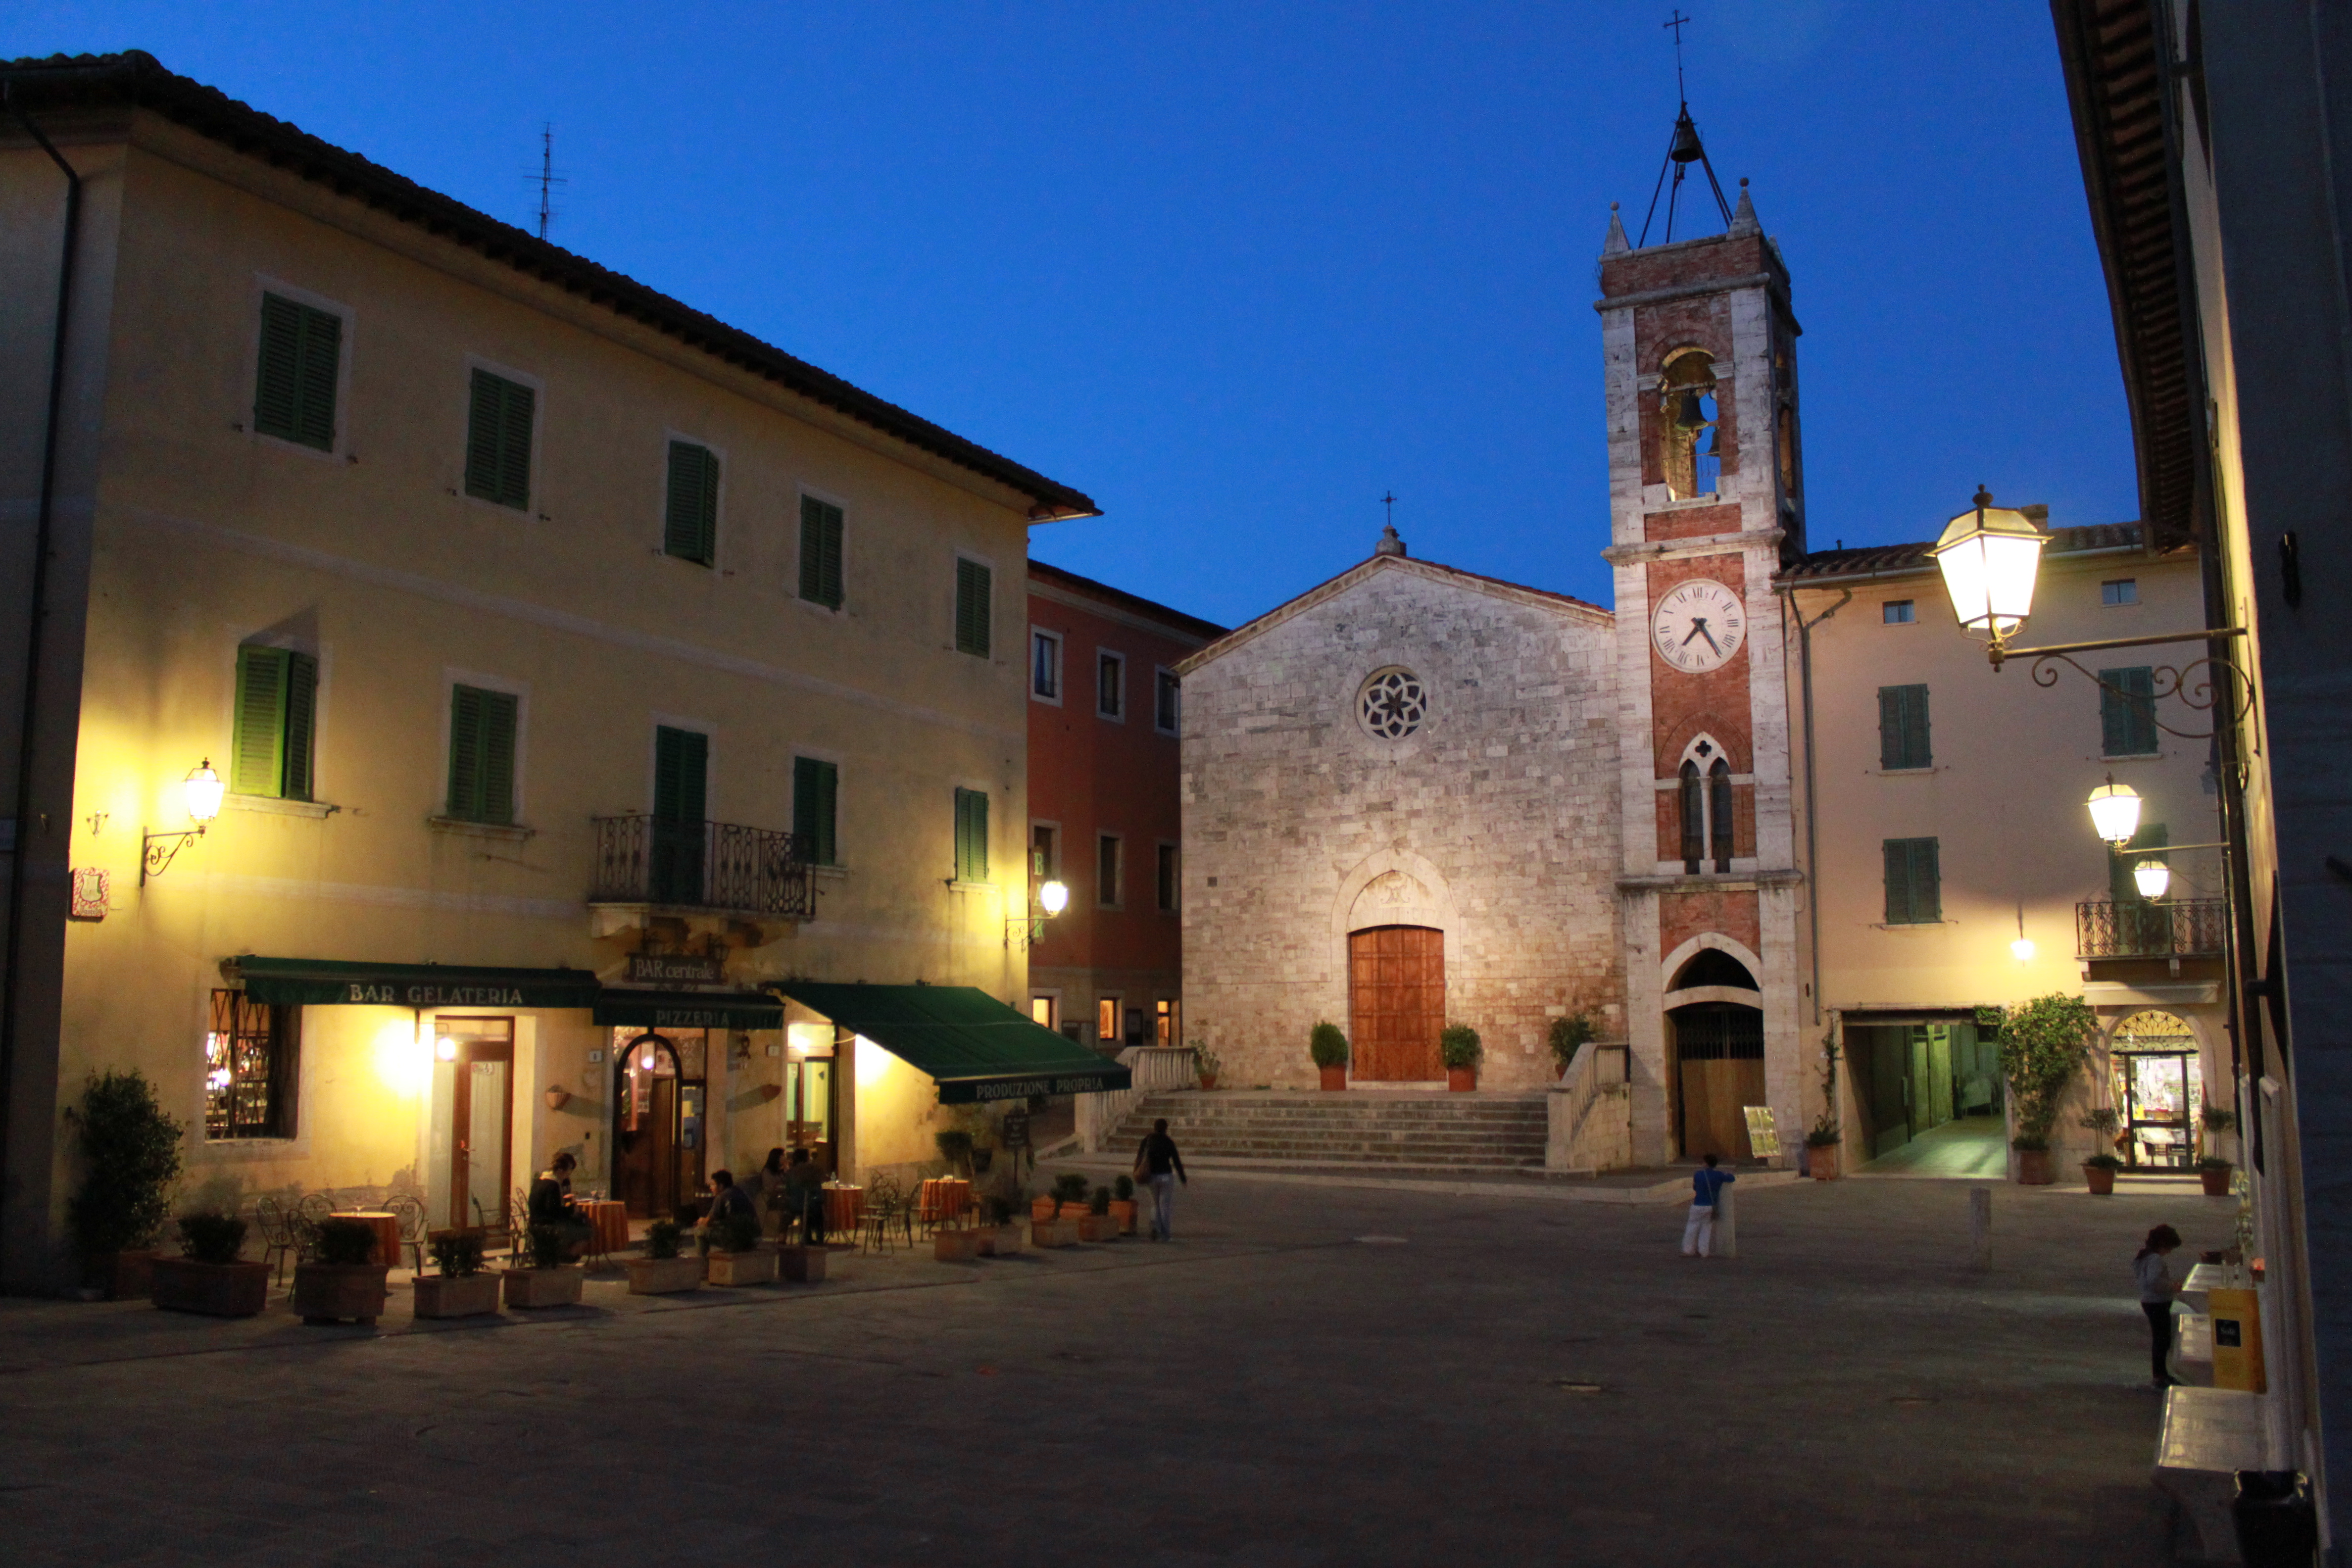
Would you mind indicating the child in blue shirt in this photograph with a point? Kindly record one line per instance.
(1698, 1230)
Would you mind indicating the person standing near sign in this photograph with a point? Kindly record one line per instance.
(2156, 1289)
(1159, 1167)
(1706, 1187)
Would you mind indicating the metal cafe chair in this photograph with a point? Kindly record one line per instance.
(278, 1242)
(312, 1207)
(410, 1215)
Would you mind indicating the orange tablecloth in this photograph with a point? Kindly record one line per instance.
(844, 1206)
(610, 1220)
(386, 1226)
(943, 1197)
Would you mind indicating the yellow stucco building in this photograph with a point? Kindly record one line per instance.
(536, 626)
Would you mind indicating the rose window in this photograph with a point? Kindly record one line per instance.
(1392, 704)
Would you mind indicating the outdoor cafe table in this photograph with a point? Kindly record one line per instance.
(844, 1206)
(386, 1226)
(609, 1219)
(943, 1198)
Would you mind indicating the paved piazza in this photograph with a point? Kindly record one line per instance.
(1273, 1390)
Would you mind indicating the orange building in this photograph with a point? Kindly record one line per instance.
(1105, 711)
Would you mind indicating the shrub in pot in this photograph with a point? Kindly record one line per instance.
(2032, 1162)
(736, 1256)
(2099, 1174)
(1205, 1062)
(1459, 1049)
(336, 1281)
(130, 1148)
(550, 1281)
(2213, 1175)
(1043, 1207)
(1070, 1195)
(1328, 1048)
(1122, 1203)
(2042, 1045)
(1567, 1036)
(459, 1289)
(210, 1276)
(661, 1272)
(1096, 1224)
(955, 1147)
(1821, 1145)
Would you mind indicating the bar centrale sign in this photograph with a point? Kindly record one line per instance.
(675, 969)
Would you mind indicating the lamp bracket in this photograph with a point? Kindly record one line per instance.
(2196, 684)
(158, 850)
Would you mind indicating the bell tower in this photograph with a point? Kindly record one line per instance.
(1706, 498)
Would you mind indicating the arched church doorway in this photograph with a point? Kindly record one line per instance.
(657, 1124)
(1396, 1003)
(1718, 1044)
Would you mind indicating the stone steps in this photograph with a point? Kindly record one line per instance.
(1433, 1131)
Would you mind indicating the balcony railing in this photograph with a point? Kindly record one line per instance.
(716, 866)
(2186, 928)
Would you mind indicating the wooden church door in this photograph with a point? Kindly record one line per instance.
(1396, 1003)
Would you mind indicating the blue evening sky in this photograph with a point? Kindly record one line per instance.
(1236, 270)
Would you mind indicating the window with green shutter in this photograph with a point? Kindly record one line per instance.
(498, 440)
(971, 836)
(690, 529)
(972, 583)
(820, 552)
(815, 793)
(481, 755)
(276, 724)
(2128, 711)
(1915, 893)
(1903, 728)
(294, 380)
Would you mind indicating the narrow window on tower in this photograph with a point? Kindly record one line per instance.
(1690, 455)
(1718, 813)
(1693, 819)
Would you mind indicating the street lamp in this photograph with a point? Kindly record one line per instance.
(2151, 878)
(201, 791)
(1056, 897)
(1988, 556)
(2114, 812)
(1053, 898)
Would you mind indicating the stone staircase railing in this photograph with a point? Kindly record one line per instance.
(1156, 1070)
(1591, 1123)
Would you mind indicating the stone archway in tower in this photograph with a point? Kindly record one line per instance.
(1717, 1034)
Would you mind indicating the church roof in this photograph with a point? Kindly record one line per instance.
(1363, 572)
(1905, 560)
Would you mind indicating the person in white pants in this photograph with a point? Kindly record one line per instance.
(1698, 1230)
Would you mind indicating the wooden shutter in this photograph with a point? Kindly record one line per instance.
(482, 726)
(973, 584)
(971, 836)
(1902, 727)
(2128, 711)
(815, 787)
(820, 552)
(1106, 889)
(321, 355)
(294, 379)
(498, 440)
(690, 529)
(465, 752)
(681, 775)
(301, 726)
(1913, 882)
(259, 766)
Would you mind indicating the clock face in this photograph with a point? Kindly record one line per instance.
(1698, 624)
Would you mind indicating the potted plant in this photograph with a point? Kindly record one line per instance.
(1328, 1048)
(1205, 1062)
(2213, 1175)
(550, 1280)
(955, 1148)
(1567, 1036)
(2099, 1170)
(2042, 1045)
(1097, 1224)
(1459, 1049)
(338, 1281)
(460, 1289)
(209, 1277)
(2217, 1121)
(735, 1255)
(1070, 1195)
(2099, 1174)
(1122, 1203)
(802, 1265)
(662, 1271)
(1821, 1145)
(1044, 1207)
(131, 1156)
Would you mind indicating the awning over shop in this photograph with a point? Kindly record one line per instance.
(691, 1009)
(976, 1047)
(320, 982)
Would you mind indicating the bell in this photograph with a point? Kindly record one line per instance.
(1686, 149)
(1689, 415)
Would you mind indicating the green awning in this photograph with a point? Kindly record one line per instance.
(976, 1047)
(689, 1009)
(325, 981)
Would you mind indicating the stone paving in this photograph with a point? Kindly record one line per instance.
(1309, 1376)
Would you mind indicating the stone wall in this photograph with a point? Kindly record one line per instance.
(1496, 821)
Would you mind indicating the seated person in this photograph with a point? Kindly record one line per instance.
(804, 1196)
(551, 1205)
(729, 1198)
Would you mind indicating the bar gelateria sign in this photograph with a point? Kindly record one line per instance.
(326, 982)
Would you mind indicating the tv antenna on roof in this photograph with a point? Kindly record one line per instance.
(1684, 150)
(547, 178)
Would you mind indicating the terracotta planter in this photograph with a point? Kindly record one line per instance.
(457, 1296)
(531, 1288)
(665, 1275)
(1123, 1211)
(1334, 1079)
(2033, 1168)
(1208, 1080)
(757, 1266)
(802, 1265)
(2216, 1182)
(1073, 1211)
(216, 1289)
(955, 1245)
(1097, 1228)
(1822, 1162)
(1002, 1241)
(2100, 1179)
(1044, 1208)
(128, 1275)
(1461, 1080)
(1053, 1233)
(339, 1293)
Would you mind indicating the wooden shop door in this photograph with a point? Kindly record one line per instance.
(1396, 1003)
(1719, 1072)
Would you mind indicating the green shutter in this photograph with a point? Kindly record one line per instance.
(1915, 893)
(498, 440)
(820, 552)
(499, 712)
(1902, 727)
(465, 754)
(690, 530)
(2128, 711)
(294, 380)
(971, 836)
(972, 583)
(482, 727)
(815, 786)
(681, 775)
(258, 766)
(301, 726)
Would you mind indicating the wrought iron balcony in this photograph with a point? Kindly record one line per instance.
(712, 866)
(2184, 928)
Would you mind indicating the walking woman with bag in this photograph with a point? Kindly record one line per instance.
(1159, 1166)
